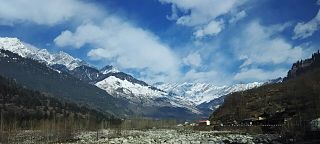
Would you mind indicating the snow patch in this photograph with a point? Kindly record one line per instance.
(112, 83)
(42, 55)
(111, 70)
(203, 92)
(140, 93)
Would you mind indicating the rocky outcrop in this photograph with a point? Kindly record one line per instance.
(303, 66)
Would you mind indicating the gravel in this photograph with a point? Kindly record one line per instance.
(172, 137)
(153, 136)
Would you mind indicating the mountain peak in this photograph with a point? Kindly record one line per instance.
(16, 46)
(26, 50)
(109, 69)
(301, 67)
(204, 92)
(9, 40)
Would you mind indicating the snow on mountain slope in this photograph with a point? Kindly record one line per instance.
(26, 50)
(117, 86)
(122, 85)
(109, 69)
(203, 92)
(142, 94)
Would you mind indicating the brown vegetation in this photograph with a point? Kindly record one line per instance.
(292, 103)
(23, 109)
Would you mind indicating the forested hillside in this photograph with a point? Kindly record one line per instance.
(294, 102)
(37, 76)
(297, 97)
(25, 108)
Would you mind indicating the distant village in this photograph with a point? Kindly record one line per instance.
(261, 121)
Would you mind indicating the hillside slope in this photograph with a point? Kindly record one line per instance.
(23, 106)
(295, 99)
(34, 75)
(62, 75)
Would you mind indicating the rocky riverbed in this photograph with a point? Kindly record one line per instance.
(172, 137)
(153, 136)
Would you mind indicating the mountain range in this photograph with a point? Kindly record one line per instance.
(108, 88)
(200, 93)
(42, 55)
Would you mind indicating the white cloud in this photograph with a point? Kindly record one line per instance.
(210, 76)
(213, 28)
(259, 45)
(128, 46)
(240, 15)
(193, 59)
(259, 74)
(303, 30)
(86, 33)
(196, 76)
(202, 11)
(174, 15)
(202, 14)
(45, 12)
(277, 28)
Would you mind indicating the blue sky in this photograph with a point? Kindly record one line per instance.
(216, 41)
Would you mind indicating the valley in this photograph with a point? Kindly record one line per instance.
(187, 101)
(117, 98)
(159, 72)
(123, 109)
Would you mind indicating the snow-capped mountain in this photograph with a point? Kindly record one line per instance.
(161, 100)
(203, 92)
(142, 94)
(109, 69)
(26, 50)
(87, 74)
(118, 87)
(109, 79)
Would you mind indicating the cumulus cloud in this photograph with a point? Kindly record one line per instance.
(45, 12)
(210, 76)
(115, 40)
(303, 30)
(257, 74)
(85, 33)
(193, 59)
(202, 11)
(128, 46)
(213, 28)
(197, 76)
(260, 46)
(202, 14)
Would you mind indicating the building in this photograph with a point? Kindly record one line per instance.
(204, 123)
(249, 121)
